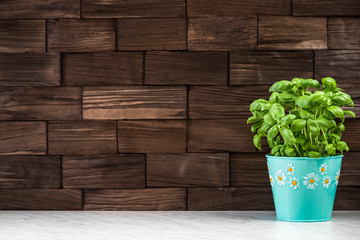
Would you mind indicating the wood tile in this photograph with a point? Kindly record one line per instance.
(204, 8)
(136, 199)
(22, 138)
(326, 8)
(25, 69)
(342, 65)
(350, 168)
(347, 198)
(104, 171)
(234, 199)
(103, 69)
(292, 33)
(220, 102)
(35, 9)
(152, 136)
(344, 32)
(40, 199)
(30, 172)
(48, 103)
(187, 170)
(191, 68)
(223, 135)
(222, 33)
(140, 102)
(352, 134)
(81, 35)
(22, 36)
(133, 8)
(81, 137)
(267, 67)
(151, 34)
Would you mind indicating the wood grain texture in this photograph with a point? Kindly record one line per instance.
(234, 199)
(151, 34)
(47, 103)
(81, 137)
(292, 33)
(31, 9)
(222, 33)
(140, 102)
(205, 8)
(347, 198)
(326, 8)
(354, 91)
(133, 8)
(343, 65)
(40, 199)
(344, 33)
(187, 170)
(350, 168)
(267, 67)
(25, 69)
(223, 102)
(104, 69)
(191, 68)
(352, 134)
(22, 36)
(81, 35)
(22, 138)
(136, 199)
(221, 135)
(30, 172)
(104, 171)
(152, 136)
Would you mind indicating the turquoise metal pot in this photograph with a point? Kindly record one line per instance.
(304, 188)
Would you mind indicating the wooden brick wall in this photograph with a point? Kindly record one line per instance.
(141, 104)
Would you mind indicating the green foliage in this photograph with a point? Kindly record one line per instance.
(298, 122)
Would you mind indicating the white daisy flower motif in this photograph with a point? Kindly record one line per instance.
(310, 181)
(290, 169)
(337, 177)
(271, 180)
(294, 182)
(280, 177)
(323, 169)
(268, 168)
(326, 181)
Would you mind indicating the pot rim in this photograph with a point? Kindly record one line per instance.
(268, 156)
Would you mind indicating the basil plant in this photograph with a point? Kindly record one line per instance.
(297, 122)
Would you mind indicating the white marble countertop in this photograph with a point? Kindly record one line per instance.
(42, 225)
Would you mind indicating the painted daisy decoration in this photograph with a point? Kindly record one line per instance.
(323, 169)
(294, 182)
(310, 181)
(337, 177)
(280, 177)
(290, 169)
(326, 181)
(271, 180)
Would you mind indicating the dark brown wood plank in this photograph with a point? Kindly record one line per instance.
(22, 36)
(31, 9)
(205, 8)
(352, 134)
(187, 170)
(133, 8)
(151, 34)
(140, 102)
(24, 69)
(81, 137)
(222, 33)
(223, 135)
(292, 33)
(81, 35)
(152, 136)
(354, 91)
(40, 199)
(220, 102)
(104, 171)
(234, 199)
(136, 199)
(347, 198)
(22, 138)
(350, 169)
(344, 32)
(104, 69)
(343, 65)
(30, 172)
(326, 8)
(191, 68)
(48, 103)
(267, 67)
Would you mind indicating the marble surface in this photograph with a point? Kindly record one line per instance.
(41, 225)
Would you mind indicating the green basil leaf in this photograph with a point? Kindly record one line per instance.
(337, 111)
(314, 154)
(300, 139)
(349, 113)
(252, 119)
(274, 98)
(270, 143)
(341, 146)
(280, 86)
(288, 136)
(273, 131)
(313, 128)
(328, 114)
(288, 119)
(328, 84)
(341, 127)
(264, 128)
(256, 105)
(256, 140)
(290, 152)
(319, 97)
(269, 120)
(277, 111)
(286, 97)
(311, 83)
(298, 125)
(342, 99)
(256, 125)
(305, 146)
(304, 101)
(324, 123)
(275, 149)
(330, 148)
(304, 114)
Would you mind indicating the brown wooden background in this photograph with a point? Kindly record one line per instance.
(141, 104)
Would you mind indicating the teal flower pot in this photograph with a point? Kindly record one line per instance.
(304, 188)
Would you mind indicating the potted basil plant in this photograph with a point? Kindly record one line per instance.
(302, 122)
